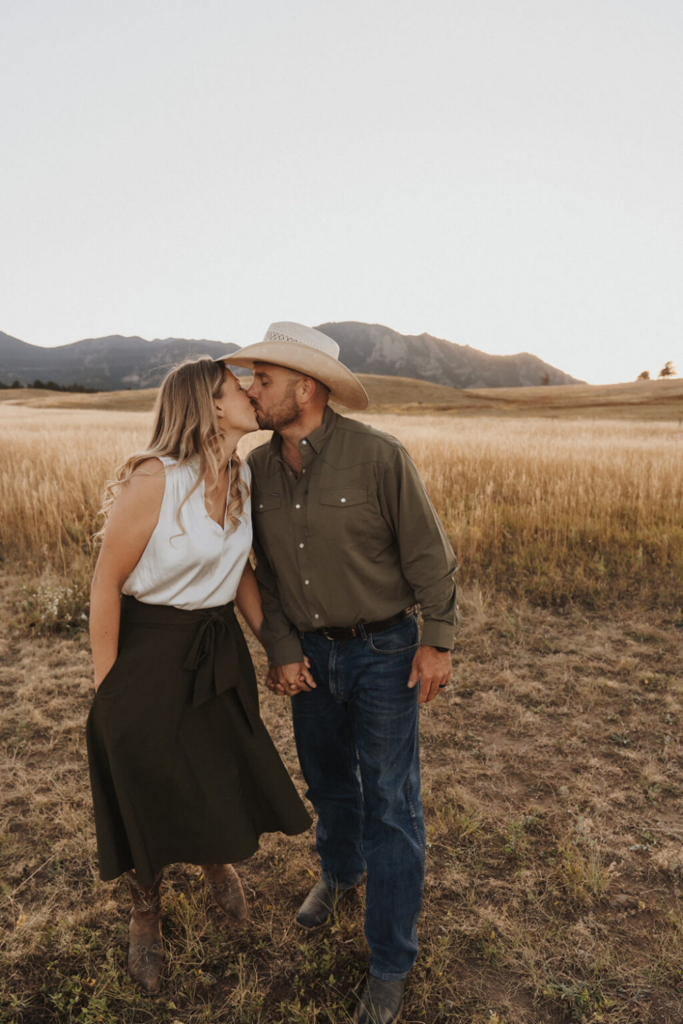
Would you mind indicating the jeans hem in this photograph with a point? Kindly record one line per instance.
(385, 976)
(336, 885)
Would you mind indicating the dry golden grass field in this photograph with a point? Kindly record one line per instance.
(552, 509)
(649, 400)
(552, 766)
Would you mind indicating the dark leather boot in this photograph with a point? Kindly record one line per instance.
(318, 906)
(145, 951)
(380, 1002)
(227, 889)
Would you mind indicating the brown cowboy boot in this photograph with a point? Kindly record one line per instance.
(226, 889)
(145, 951)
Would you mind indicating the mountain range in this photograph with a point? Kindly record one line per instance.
(115, 363)
(371, 348)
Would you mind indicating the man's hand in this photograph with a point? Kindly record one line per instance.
(288, 680)
(432, 669)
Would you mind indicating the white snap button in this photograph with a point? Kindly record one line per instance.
(304, 442)
(306, 582)
(303, 470)
(343, 500)
(297, 506)
(316, 616)
(260, 506)
(300, 545)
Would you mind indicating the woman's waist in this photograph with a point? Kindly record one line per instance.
(144, 614)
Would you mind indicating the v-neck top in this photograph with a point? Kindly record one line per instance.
(200, 568)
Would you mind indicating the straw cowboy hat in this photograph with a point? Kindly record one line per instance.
(310, 352)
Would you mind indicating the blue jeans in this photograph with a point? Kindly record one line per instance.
(357, 736)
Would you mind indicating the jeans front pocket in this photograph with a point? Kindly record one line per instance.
(400, 638)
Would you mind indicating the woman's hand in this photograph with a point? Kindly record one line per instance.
(101, 676)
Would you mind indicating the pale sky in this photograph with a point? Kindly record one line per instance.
(502, 173)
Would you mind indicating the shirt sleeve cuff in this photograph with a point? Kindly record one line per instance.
(438, 634)
(286, 651)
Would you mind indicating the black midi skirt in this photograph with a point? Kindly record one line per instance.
(182, 768)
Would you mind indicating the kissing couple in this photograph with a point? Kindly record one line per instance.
(346, 547)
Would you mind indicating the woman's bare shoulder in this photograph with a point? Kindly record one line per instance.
(150, 467)
(141, 495)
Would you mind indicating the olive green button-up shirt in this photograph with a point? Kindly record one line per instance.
(354, 538)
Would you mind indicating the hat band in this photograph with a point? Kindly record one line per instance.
(290, 339)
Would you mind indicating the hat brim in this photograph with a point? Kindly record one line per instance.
(345, 388)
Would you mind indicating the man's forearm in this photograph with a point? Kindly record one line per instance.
(437, 634)
(440, 615)
(278, 635)
(427, 559)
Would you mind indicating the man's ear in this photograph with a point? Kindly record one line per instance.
(307, 388)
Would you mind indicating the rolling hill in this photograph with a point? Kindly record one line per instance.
(109, 364)
(115, 363)
(372, 348)
(650, 400)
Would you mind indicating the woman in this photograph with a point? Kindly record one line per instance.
(181, 766)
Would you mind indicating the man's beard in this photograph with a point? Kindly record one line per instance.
(283, 415)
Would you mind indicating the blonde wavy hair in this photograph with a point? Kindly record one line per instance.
(186, 427)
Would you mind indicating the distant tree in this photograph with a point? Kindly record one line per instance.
(17, 384)
(668, 370)
(51, 385)
(645, 375)
(79, 388)
(545, 379)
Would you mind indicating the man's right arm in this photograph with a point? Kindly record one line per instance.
(280, 638)
(288, 669)
(289, 672)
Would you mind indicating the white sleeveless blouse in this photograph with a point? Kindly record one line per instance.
(200, 568)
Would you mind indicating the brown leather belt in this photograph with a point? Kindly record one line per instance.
(349, 632)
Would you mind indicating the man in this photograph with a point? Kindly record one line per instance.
(348, 545)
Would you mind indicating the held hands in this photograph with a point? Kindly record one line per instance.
(432, 669)
(288, 680)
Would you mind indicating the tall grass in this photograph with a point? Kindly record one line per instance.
(53, 464)
(555, 510)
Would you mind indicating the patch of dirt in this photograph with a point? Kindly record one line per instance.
(552, 781)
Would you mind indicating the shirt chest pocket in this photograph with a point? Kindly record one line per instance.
(343, 497)
(267, 503)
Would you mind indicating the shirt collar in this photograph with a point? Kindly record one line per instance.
(275, 445)
(320, 435)
(316, 438)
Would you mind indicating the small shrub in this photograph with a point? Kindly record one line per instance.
(583, 1001)
(582, 878)
(54, 605)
